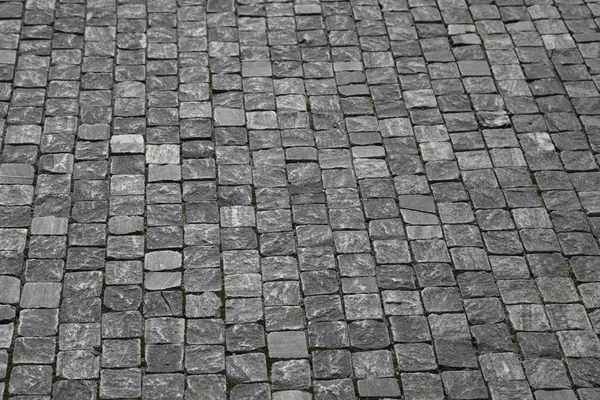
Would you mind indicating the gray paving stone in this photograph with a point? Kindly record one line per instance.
(162, 280)
(76, 388)
(117, 383)
(163, 386)
(292, 395)
(546, 374)
(254, 390)
(11, 290)
(34, 323)
(368, 334)
(328, 334)
(49, 226)
(162, 260)
(31, 379)
(374, 364)
(501, 366)
(287, 345)
(123, 225)
(378, 387)
(245, 337)
(246, 368)
(77, 364)
(464, 384)
(291, 374)
(332, 364)
(41, 295)
(342, 388)
(287, 179)
(16, 174)
(415, 357)
(422, 385)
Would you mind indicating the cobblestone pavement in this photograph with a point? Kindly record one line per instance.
(300, 200)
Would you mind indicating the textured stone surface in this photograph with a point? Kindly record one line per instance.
(219, 199)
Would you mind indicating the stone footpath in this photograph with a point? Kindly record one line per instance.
(299, 200)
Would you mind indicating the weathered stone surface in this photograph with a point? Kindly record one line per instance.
(387, 199)
(41, 295)
(31, 379)
(79, 389)
(129, 144)
(124, 225)
(16, 174)
(287, 345)
(162, 280)
(11, 290)
(120, 383)
(246, 368)
(204, 305)
(291, 374)
(77, 364)
(162, 260)
(13, 239)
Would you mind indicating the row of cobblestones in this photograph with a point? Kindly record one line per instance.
(296, 200)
